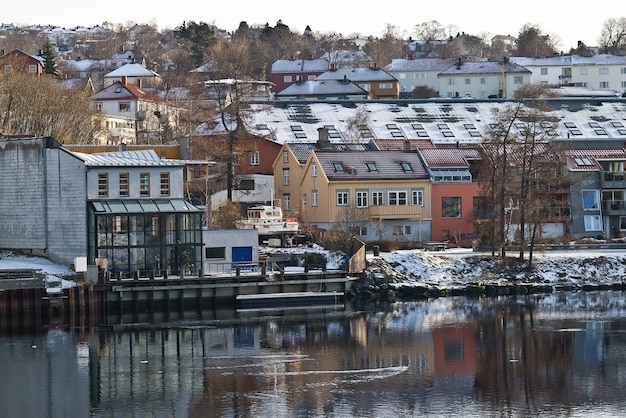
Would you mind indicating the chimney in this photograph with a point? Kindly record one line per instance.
(458, 64)
(323, 141)
(138, 82)
(124, 80)
(407, 145)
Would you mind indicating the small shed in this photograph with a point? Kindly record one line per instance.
(226, 250)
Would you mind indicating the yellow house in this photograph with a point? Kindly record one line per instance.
(380, 195)
(288, 168)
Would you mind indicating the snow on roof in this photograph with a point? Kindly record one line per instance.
(300, 66)
(422, 64)
(484, 67)
(440, 121)
(570, 60)
(322, 87)
(143, 158)
(357, 74)
(131, 70)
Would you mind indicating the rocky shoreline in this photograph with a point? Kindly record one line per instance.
(422, 275)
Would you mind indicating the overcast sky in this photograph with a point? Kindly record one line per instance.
(568, 21)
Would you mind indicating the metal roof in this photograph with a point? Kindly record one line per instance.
(143, 158)
(143, 206)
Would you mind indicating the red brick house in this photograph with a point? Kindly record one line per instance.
(19, 62)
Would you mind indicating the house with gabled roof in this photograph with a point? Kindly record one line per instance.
(286, 72)
(381, 195)
(19, 62)
(134, 115)
(483, 79)
(412, 73)
(377, 82)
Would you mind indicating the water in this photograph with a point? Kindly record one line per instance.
(543, 355)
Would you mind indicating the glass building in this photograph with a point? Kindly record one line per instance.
(146, 236)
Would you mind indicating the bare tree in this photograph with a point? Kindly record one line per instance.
(356, 126)
(43, 107)
(383, 50)
(613, 35)
(349, 222)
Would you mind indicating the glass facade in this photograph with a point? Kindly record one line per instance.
(146, 242)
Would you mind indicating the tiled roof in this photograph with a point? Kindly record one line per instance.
(358, 166)
(448, 157)
(302, 151)
(587, 159)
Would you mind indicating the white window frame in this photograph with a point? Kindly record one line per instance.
(285, 156)
(32, 68)
(596, 197)
(287, 79)
(343, 198)
(255, 158)
(378, 198)
(603, 71)
(314, 201)
(287, 201)
(417, 197)
(286, 177)
(593, 223)
(385, 86)
(361, 198)
(124, 107)
(313, 170)
(397, 197)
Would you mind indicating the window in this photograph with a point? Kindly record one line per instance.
(590, 200)
(450, 207)
(338, 167)
(451, 81)
(314, 197)
(419, 75)
(622, 223)
(342, 198)
(623, 84)
(483, 80)
(287, 201)
(468, 81)
(603, 85)
(285, 177)
(584, 71)
(417, 197)
(385, 86)
(310, 77)
(402, 76)
(361, 198)
(254, 158)
(304, 198)
(366, 86)
(8, 69)
(287, 79)
(518, 79)
(144, 184)
(123, 183)
(358, 230)
(401, 230)
(285, 156)
(32, 68)
(397, 197)
(215, 252)
(123, 107)
(313, 170)
(98, 105)
(544, 71)
(103, 184)
(165, 184)
(592, 223)
(406, 167)
(603, 71)
(622, 70)
(371, 167)
(377, 198)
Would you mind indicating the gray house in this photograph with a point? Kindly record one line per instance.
(125, 209)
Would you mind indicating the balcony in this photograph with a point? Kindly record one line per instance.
(614, 207)
(613, 180)
(396, 212)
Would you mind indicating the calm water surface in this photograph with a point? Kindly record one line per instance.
(547, 355)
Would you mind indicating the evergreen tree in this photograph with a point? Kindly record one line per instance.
(50, 57)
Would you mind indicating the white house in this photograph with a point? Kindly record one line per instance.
(418, 72)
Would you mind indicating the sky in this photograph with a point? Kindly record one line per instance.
(347, 17)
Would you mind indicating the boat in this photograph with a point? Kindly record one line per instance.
(268, 220)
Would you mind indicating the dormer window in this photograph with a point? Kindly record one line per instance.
(338, 167)
(371, 167)
(118, 89)
(406, 167)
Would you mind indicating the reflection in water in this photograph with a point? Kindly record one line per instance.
(559, 355)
